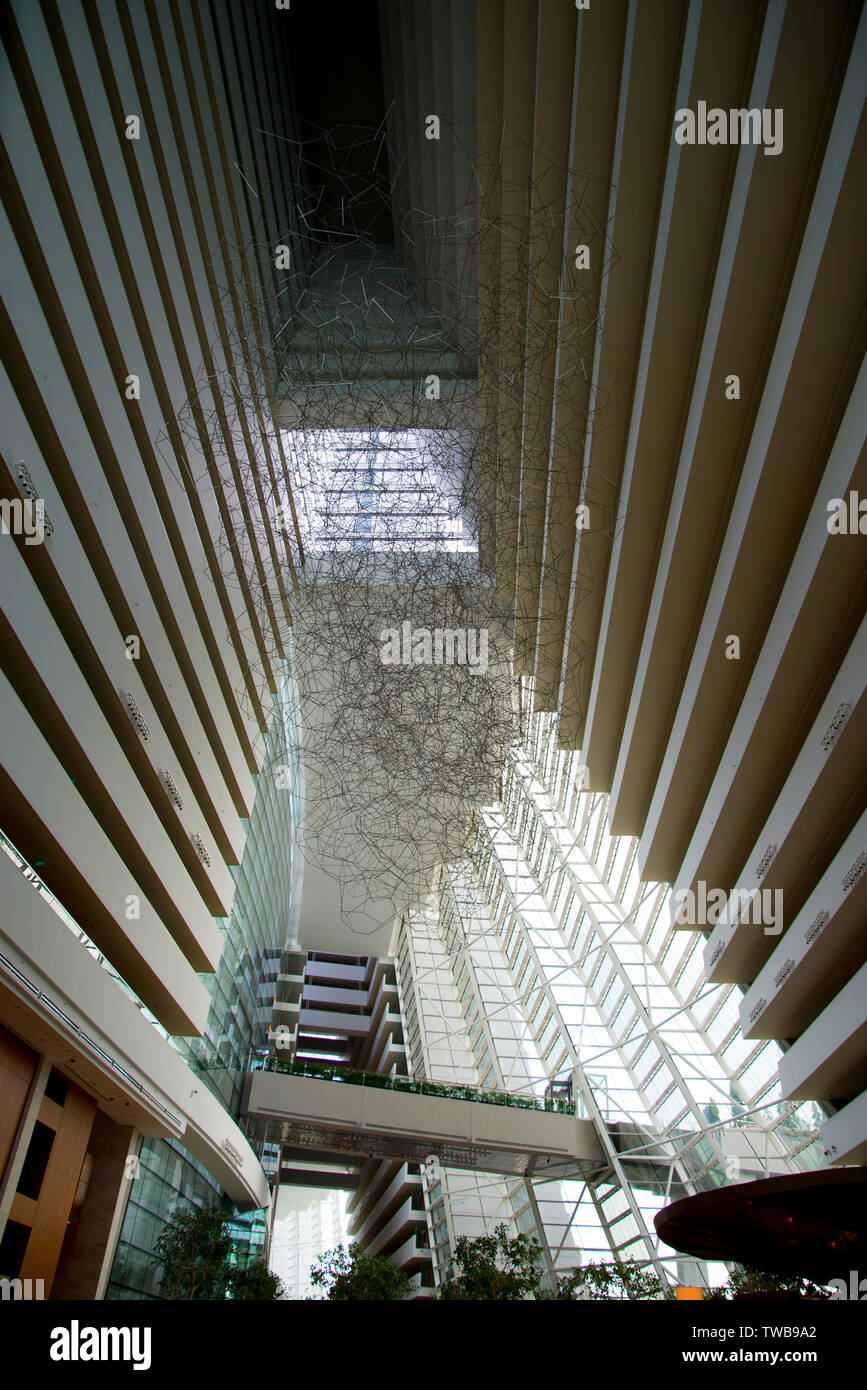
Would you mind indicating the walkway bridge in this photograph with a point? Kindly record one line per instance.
(326, 1111)
(341, 1115)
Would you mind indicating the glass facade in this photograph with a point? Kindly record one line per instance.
(542, 964)
(263, 919)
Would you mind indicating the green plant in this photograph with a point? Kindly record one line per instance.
(406, 1083)
(495, 1266)
(255, 1282)
(347, 1273)
(610, 1281)
(744, 1281)
(195, 1251)
(197, 1254)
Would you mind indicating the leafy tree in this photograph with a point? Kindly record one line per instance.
(496, 1266)
(744, 1280)
(601, 1281)
(256, 1281)
(194, 1250)
(347, 1273)
(500, 1266)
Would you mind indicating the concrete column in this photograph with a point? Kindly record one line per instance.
(86, 1258)
(22, 1141)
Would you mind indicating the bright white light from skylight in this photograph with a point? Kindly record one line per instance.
(389, 490)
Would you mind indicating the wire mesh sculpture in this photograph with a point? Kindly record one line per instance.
(394, 442)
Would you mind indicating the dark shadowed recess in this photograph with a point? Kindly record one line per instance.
(336, 72)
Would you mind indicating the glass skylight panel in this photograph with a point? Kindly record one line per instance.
(383, 490)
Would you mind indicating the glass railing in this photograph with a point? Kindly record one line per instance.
(443, 1090)
(70, 923)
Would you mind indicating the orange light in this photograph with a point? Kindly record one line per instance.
(686, 1291)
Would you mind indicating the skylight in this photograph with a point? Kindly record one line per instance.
(386, 490)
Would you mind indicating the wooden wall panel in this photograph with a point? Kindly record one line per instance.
(58, 1188)
(18, 1064)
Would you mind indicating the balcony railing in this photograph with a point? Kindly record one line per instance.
(69, 921)
(443, 1090)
